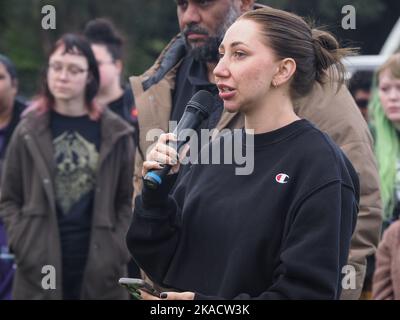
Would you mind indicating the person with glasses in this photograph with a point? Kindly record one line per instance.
(67, 186)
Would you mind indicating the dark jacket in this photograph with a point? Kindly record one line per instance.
(28, 208)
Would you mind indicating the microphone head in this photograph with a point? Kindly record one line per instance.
(203, 101)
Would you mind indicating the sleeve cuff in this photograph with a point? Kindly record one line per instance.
(158, 198)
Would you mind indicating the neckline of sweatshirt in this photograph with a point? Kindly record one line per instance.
(262, 140)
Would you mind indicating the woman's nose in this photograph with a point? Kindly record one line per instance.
(63, 75)
(221, 70)
(394, 94)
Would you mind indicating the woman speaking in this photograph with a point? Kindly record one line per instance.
(281, 232)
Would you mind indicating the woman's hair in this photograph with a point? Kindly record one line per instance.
(387, 142)
(75, 44)
(315, 52)
(101, 31)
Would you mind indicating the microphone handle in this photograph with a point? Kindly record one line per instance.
(153, 179)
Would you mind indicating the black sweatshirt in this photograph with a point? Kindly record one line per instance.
(282, 232)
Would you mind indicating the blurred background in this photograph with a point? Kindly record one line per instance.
(149, 25)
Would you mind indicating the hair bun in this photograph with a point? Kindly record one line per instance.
(102, 31)
(324, 39)
(325, 46)
(328, 54)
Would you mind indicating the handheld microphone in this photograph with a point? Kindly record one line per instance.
(197, 110)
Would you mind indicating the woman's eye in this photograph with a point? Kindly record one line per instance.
(384, 89)
(205, 3)
(239, 54)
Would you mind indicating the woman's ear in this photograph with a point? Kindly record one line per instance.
(286, 70)
(119, 65)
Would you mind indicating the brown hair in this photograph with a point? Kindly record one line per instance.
(315, 52)
(393, 63)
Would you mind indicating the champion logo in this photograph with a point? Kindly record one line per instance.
(282, 178)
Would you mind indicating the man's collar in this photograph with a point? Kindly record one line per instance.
(197, 74)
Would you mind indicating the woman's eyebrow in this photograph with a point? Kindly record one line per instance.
(233, 44)
(237, 43)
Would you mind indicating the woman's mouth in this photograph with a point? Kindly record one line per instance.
(226, 92)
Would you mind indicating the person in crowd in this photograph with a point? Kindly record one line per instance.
(11, 109)
(107, 46)
(210, 238)
(386, 278)
(385, 110)
(385, 126)
(360, 88)
(66, 188)
(186, 65)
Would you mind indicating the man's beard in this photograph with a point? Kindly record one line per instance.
(208, 51)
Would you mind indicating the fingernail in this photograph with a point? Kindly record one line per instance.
(163, 295)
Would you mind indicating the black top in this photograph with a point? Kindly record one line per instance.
(281, 232)
(124, 106)
(76, 142)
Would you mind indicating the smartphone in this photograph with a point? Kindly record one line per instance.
(133, 285)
